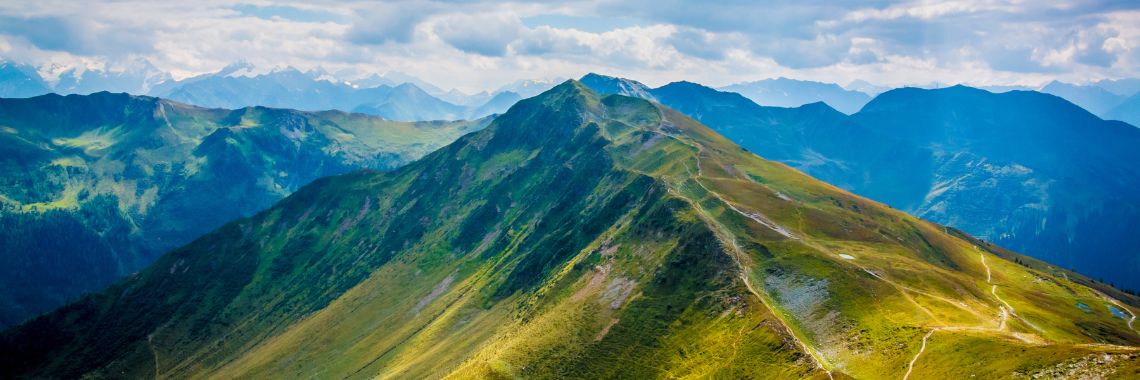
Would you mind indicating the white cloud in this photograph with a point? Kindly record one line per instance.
(475, 45)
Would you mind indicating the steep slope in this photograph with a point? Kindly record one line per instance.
(96, 187)
(1025, 170)
(784, 92)
(580, 236)
(1128, 111)
(814, 138)
(1030, 171)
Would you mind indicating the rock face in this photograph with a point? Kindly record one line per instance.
(580, 236)
(96, 187)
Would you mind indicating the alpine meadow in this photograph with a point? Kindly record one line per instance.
(414, 190)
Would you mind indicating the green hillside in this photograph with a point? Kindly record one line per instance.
(96, 187)
(581, 236)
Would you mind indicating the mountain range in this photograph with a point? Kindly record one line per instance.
(394, 96)
(784, 92)
(98, 186)
(581, 235)
(291, 88)
(1026, 170)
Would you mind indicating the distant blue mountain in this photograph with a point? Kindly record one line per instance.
(1029, 171)
(394, 96)
(784, 92)
(497, 104)
(293, 89)
(866, 87)
(1123, 87)
(1092, 98)
(1128, 111)
(20, 81)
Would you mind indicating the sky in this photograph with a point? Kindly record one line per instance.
(475, 45)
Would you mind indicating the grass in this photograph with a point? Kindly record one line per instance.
(585, 237)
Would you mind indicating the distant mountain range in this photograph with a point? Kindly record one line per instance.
(784, 92)
(98, 186)
(394, 96)
(584, 236)
(293, 89)
(1090, 97)
(241, 84)
(1026, 170)
(1109, 99)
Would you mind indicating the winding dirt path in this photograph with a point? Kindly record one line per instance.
(920, 350)
(1121, 307)
(993, 290)
(1006, 308)
(725, 235)
(154, 352)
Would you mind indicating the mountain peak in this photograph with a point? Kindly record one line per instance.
(605, 84)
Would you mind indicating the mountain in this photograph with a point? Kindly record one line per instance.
(814, 138)
(20, 81)
(1128, 111)
(1092, 98)
(135, 77)
(866, 87)
(589, 237)
(621, 86)
(395, 96)
(408, 103)
(464, 99)
(291, 88)
(1124, 87)
(529, 88)
(497, 104)
(96, 187)
(1000, 89)
(1025, 170)
(1054, 183)
(784, 92)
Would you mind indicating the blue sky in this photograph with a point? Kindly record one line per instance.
(475, 45)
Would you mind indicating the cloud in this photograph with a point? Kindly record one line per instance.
(480, 44)
(704, 44)
(77, 35)
(382, 23)
(485, 34)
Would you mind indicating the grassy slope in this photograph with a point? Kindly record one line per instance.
(577, 237)
(142, 175)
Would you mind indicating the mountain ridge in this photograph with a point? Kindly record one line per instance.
(576, 229)
(129, 177)
(941, 177)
